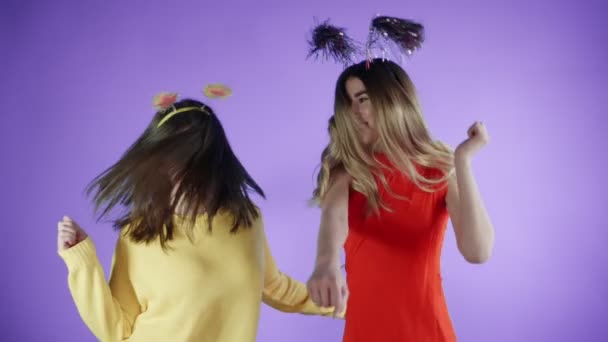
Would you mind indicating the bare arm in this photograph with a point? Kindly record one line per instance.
(472, 226)
(334, 221)
(326, 285)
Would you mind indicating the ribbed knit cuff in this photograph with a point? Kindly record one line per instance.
(82, 254)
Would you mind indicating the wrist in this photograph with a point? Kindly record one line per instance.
(328, 259)
(462, 160)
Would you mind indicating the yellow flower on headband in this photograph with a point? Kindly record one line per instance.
(164, 100)
(217, 91)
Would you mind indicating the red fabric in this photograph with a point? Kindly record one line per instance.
(393, 265)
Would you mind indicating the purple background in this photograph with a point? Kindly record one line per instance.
(76, 90)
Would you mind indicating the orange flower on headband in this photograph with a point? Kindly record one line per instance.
(163, 101)
(215, 91)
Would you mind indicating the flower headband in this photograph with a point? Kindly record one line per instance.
(165, 101)
(385, 34)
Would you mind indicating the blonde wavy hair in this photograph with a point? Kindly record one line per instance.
(402, 135)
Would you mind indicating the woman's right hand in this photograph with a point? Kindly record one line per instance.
(69, 234)
(327, 287)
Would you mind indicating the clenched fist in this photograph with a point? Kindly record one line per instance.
(327, 288)
(69, 234)
(477, 138)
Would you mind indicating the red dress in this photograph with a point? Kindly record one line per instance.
(393, 265)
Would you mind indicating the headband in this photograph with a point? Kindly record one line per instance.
(166, 101)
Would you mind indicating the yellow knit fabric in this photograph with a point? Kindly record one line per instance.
(208, 288)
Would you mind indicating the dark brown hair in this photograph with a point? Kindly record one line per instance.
(189, 158)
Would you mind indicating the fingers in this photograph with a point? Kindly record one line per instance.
(336, 300)
(67, 233)
(318, 299)
(68, 237)
(471, 131)
(482, 128)
(67, 222)
(70, 221)
(63, 231)
(328, 290)
(315, 295)
(324, 292)
(341, 305)
(66, 227)
(476, 129)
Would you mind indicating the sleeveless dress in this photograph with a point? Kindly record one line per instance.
(393, 264)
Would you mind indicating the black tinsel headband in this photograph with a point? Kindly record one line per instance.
(385, 34)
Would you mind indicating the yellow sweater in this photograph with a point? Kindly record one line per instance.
(208, 289)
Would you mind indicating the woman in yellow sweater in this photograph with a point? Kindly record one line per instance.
(191, 262)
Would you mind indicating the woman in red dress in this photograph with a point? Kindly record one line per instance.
(387, 190)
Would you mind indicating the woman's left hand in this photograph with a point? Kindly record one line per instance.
(478, 138)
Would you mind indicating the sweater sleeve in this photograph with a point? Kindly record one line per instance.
(109, 310)
(287, 294)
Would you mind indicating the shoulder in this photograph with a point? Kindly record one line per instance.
(257, 212)
(257, 217)
(340, 175)
(125, 240)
